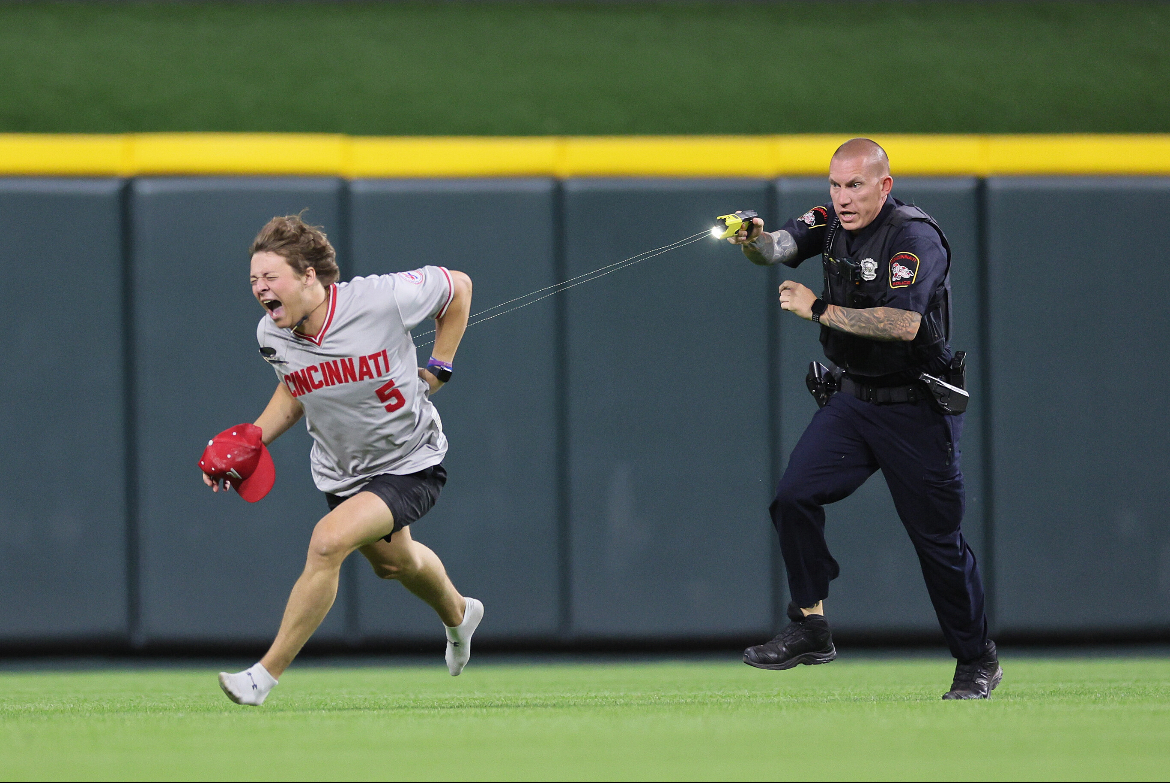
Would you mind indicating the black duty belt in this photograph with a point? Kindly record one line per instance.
(883, 395)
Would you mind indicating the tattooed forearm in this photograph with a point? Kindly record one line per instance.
(876, 323)
(777, 247)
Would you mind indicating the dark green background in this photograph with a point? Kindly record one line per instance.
(519, 68)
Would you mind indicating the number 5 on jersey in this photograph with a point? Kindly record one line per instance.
(391, 396)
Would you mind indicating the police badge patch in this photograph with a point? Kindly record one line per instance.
(903, 270)
(868, 269)
(815, 214)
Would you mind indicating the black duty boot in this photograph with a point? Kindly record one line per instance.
(806, 640)
(976, 678)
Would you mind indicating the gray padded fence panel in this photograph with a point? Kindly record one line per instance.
(1082, 462)
(667, 405)
(213, 567)
(668, 435)
(63, 535)
(495, 526)
(881, 588)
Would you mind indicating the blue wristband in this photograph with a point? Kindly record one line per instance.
(439, 369)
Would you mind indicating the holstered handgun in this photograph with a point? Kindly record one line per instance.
(822, 383)
(947, 398)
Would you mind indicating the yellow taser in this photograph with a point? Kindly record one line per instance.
(727, 225)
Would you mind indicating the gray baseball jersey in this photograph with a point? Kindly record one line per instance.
(365, 406)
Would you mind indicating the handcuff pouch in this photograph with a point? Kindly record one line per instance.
(822, 383)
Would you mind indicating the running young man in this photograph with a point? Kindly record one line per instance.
(346, 362)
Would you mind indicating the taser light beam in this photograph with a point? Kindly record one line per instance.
(727, 225)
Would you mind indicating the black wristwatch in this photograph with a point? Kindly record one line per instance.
(818, 309)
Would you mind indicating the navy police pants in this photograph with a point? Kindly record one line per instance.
(917, 450)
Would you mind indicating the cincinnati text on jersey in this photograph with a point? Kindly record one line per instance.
(330, 373)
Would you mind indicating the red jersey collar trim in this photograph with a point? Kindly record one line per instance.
(318, 338)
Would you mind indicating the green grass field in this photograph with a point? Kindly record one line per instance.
(874, 718)
(568, 68)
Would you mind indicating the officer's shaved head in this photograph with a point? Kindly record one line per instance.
(859, 181)
(875, 157)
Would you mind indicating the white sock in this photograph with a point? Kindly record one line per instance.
(250, 687)
(459, 637)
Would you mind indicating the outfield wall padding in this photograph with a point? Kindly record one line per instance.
(63, 513)
(614, 449)
(1080, 384)
(668, 450)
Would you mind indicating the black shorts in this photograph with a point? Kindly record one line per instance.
(408, 497)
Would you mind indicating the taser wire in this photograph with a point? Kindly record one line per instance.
(573, 282)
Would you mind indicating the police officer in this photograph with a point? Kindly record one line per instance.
(884, 323)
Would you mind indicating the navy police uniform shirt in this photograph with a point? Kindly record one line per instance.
(917, 264)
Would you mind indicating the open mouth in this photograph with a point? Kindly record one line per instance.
(272, 305)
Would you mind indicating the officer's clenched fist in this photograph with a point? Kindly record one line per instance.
(797, 298)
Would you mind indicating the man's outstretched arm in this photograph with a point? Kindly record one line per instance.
(765, 248)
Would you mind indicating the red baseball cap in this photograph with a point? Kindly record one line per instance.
(238, 454)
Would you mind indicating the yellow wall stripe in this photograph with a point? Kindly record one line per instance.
(565, 156)
(242, 153)
(439, 156)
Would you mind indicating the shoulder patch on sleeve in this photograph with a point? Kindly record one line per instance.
(815, 217)
(412, 277)
(903, 270)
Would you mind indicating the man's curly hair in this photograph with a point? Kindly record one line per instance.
(300, 244)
